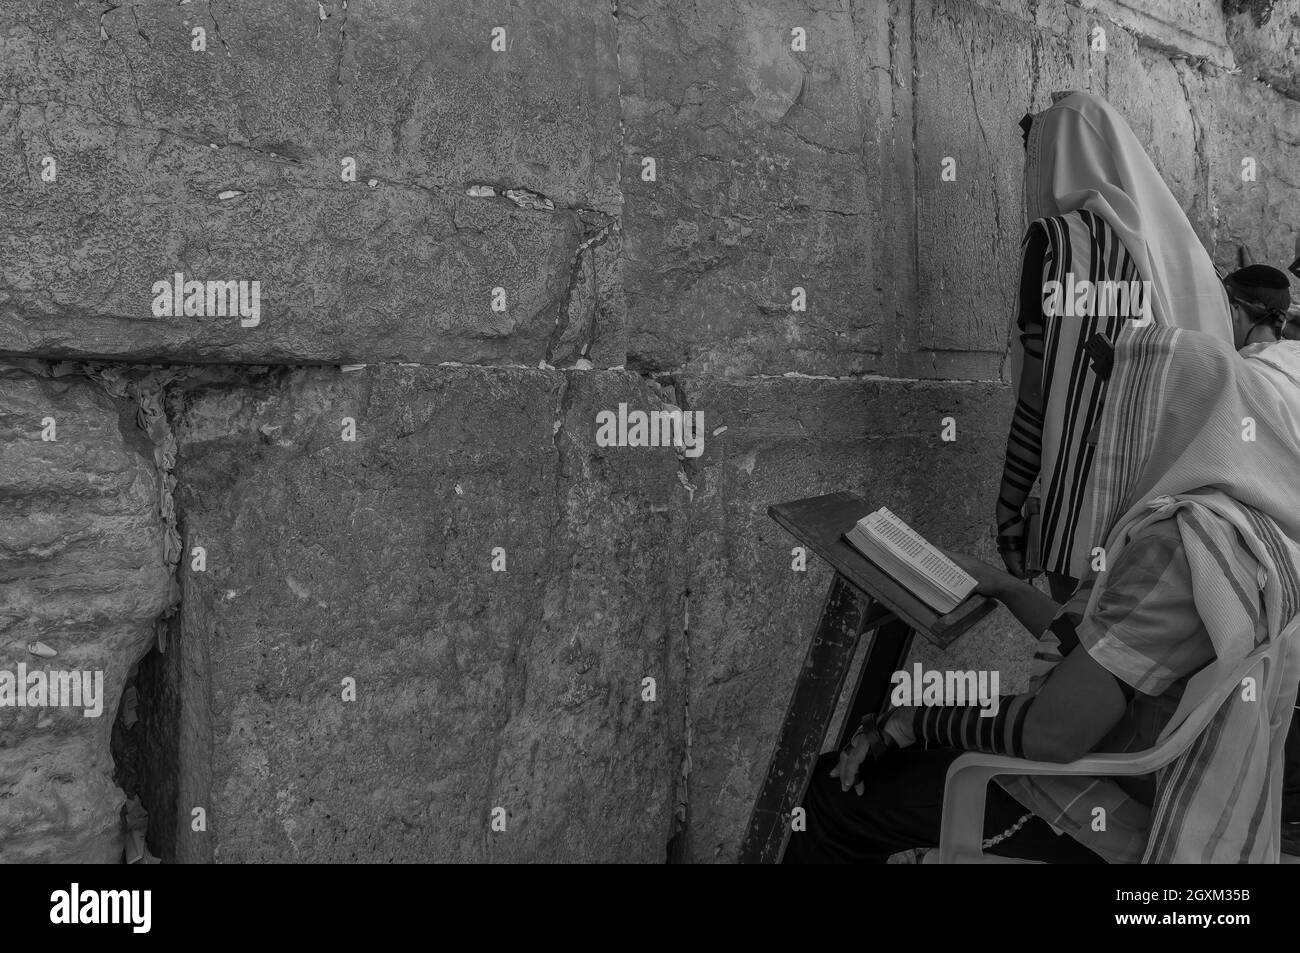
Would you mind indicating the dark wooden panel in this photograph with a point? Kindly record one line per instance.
(820, 522)
(807, 719)
(886, 655)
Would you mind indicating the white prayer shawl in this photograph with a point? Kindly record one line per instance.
(1081, 154)
(1175, 440)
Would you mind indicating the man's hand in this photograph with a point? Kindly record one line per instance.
(851, 759)
(897, 727)
(989, 581)
(893, 728)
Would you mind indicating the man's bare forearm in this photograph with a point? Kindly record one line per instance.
(1034, 609)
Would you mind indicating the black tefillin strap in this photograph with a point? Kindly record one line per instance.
(1102, 354)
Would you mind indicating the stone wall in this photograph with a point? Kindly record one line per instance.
(84, 574)
(519, 178)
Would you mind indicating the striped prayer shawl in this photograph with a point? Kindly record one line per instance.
(1191, 428)
(1081, 247)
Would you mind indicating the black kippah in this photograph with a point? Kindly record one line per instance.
(1262, 284)
(1260, 276)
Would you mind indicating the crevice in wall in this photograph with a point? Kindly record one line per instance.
(144, 389)
(133, 772)
(147, 730)
(680, 849)
(1260, 10)
(216, 29)
(137, 393)
(672, 394)
(564, 401)
(338, 61)
(594, 229)
(1204, 194)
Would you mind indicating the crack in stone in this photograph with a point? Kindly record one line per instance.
(678, 846)
(140, 32)
(618, 77)
(338, 61)
(591, 233)
(104, 37)
(146, 387)
(103, 30)
(1198, 147)
(216, 28)
(988, 148)
(576, 261)
(563, 404)
(523, 197)
(798, 99)
(204, 141)
(903, 323)
(821, 147)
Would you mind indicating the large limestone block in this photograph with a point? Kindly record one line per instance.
(764, 181)
(82, 570)
(226, 164)
(372, 560)
(966, 203)
(913, 273)
(1251, 159)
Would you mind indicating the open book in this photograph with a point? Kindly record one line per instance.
(904, 553)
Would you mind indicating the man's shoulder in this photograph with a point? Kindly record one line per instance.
(1154, 547)
(1159, 532)
(1167, 536)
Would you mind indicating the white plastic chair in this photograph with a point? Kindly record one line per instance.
(962, 833)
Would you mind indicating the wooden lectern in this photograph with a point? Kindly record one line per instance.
(862, 598)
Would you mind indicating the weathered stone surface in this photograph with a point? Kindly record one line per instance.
(1157, 97)
(966, 121)
(750, 614)
(82, 570)
(778, 168)
(1191, 27)
(862, 124)
(372, 560)
(148, 135)
(1179, 27)
(761, 185)
(979, 72)
(1252, 131)
(326, 560)
(1265, 35)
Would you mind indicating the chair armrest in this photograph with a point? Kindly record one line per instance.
(961, 835)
